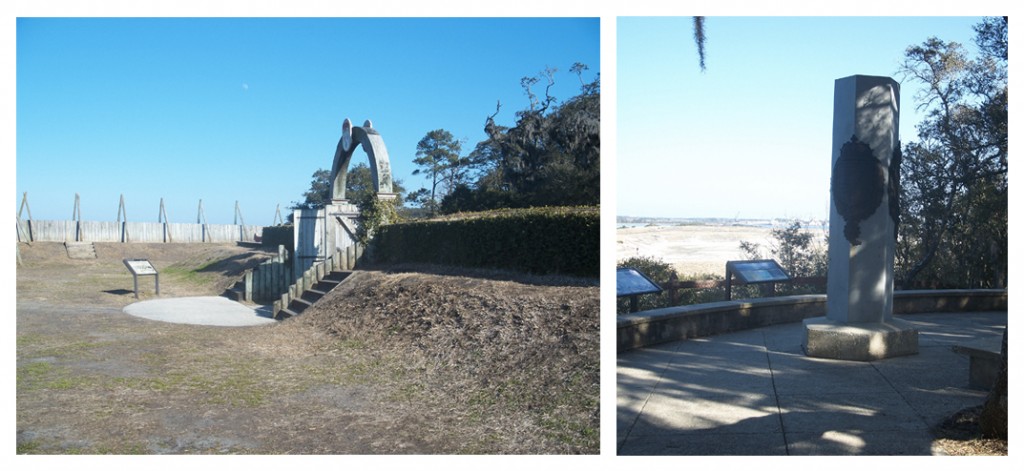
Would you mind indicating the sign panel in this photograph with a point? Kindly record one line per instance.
(630, 282)
(758, 271)
(140, 267)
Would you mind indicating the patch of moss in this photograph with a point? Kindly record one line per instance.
(29, 447)
(41, 375)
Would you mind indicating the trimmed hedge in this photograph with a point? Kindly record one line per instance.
(562, 240)
(283, 234)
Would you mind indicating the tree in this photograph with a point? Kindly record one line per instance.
(954, 178)
(437, 155)
(994, 417)
(373, 213)
(551, 157)
(319, 193)
(795, 248)
(358, 183)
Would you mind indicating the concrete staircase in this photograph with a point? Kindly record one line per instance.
(307, 288)
(315, 282)
(296, 305)
(290, 305)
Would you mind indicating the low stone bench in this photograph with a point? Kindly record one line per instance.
(984, 356)
(646, 328)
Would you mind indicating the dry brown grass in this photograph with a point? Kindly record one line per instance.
(392, 363)
(515, 362)
(960, 435)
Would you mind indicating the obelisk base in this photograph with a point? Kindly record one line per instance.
(859, 341)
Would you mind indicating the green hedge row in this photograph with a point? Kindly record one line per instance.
(535, 240)
(279, 235)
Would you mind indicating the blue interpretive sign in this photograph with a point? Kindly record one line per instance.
(758, 271)
(630, 282)
(752, 272)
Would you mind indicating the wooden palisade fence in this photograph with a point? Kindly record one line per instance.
(121, 230)
(265, 283)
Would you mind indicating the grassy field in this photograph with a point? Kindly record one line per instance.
(391, 362)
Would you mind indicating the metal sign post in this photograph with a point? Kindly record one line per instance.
(141, 267)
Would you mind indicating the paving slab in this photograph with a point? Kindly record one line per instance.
(861, 443)
(728, 415)
(751, 444)
(201, 310)
(830, 379)
(756, 393)
(849, 412)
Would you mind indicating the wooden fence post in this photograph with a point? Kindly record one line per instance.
(121, 211)
(76, 217)
(248, 286)
(673, 289)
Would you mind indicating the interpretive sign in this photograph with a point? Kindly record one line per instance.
(630, 282)
(752, 272)
(757, 271)
(141, 267)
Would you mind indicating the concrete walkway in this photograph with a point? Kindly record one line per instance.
(754, 393)
(202, 310)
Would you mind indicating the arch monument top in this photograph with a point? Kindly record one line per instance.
(353, 137)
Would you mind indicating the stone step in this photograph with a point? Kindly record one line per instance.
(326, 285)
(310, 296)
(337, 276)
(285, 314)
(80, 250)
(235, 294)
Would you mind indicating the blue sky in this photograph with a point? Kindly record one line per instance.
(246, 109)
(751, 136)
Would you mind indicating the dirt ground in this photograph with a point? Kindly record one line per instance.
(391, 362)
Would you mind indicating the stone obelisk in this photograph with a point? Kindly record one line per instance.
(863, 223)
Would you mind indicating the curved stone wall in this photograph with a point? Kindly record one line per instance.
(645, 328)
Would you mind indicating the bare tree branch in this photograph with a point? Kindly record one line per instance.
(699, 38)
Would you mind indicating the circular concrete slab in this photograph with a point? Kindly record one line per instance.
(203, 310)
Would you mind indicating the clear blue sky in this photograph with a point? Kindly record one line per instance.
(245, 110)
(751, 136)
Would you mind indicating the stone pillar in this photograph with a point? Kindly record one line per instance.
(862, 228)
(341, 219)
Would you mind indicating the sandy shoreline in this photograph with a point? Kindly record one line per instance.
(693, 249)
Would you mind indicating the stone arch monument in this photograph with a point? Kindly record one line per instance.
(321, 233)
(352, 137)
